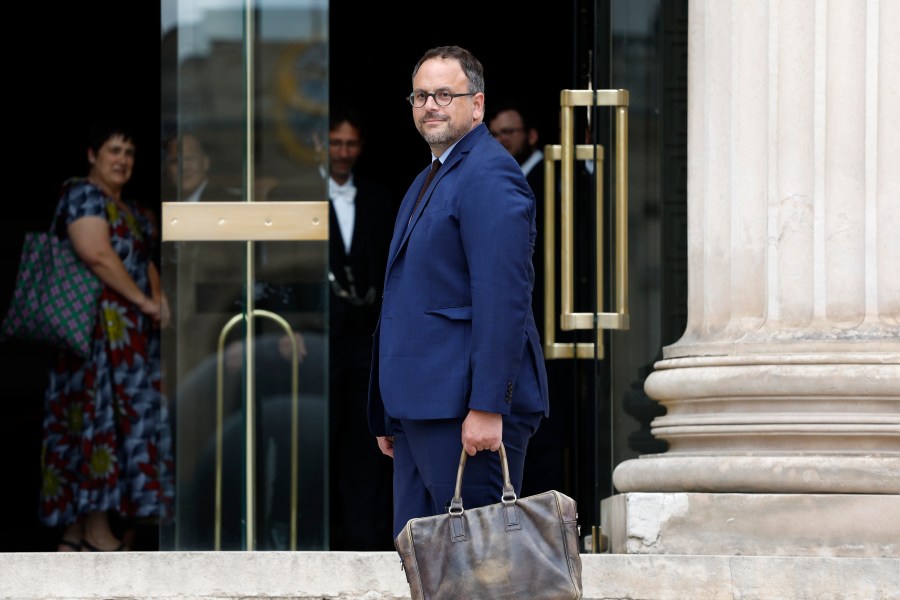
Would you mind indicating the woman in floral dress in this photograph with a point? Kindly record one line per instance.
(106, 443)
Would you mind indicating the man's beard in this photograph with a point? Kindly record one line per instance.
(441, 138)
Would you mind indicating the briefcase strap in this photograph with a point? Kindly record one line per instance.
(509, 493)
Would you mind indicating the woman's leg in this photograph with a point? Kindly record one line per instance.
(98, 535)
(71, 537)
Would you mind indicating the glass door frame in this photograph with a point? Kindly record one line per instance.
(259, 141)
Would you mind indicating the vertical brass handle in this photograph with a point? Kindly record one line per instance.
(220, 419)
(248, 222)
(295, 422)
(567, 153)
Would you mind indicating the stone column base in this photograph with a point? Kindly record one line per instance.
(832, 525)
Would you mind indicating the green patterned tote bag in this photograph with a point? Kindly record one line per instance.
(55, 298)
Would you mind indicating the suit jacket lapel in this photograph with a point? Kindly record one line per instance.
(403, 227)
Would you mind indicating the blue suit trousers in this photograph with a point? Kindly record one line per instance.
(426, 461)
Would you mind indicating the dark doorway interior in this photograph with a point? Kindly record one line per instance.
(525, 53)
(100, 57)
(84, 59)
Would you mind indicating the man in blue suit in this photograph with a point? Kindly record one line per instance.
(457, 362)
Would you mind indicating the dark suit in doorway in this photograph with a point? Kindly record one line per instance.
(361, 221)
(547, 464)
(361, 475)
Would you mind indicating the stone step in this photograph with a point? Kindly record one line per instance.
(378, 576)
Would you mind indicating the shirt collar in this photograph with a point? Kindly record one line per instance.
(536, 157)
(342, 193)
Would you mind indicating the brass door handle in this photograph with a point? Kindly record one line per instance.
(295, 421)
(567, 153)
(248, 222)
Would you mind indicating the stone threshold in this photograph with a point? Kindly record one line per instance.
(378, 576)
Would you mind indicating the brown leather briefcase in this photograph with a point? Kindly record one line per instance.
(522, 548)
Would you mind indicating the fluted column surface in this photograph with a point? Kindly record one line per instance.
(790, 361)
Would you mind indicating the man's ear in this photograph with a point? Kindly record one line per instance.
(532, 137)
(478, 106)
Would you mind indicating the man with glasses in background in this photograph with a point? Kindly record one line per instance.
(512, 127)
(361, 219)
(457, 364)
(511, 124)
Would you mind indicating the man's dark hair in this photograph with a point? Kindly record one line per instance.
(471, 66)
(174, 139)
(524, 112)
(345, 113)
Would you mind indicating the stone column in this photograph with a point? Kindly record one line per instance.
(783, 395)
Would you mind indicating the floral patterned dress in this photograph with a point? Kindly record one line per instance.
(106, 438)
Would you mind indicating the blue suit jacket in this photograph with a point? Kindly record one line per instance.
(456, 330)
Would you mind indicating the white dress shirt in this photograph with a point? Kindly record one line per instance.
(535, 159)
(343, 198)
(195, 196)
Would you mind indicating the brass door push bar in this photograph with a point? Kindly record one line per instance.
(295, 420)
(244, 221)
(567, 153)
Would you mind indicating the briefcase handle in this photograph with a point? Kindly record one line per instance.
(509, 494)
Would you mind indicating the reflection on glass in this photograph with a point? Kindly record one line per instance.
(220, 143)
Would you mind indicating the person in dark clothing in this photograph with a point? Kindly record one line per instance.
(361, 221)
(513, 126)
(458, 363)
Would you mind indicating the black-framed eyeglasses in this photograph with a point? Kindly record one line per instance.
(441, 97)
(506, 131)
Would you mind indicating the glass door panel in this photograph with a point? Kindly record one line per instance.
(244, 263)
(620, 291)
